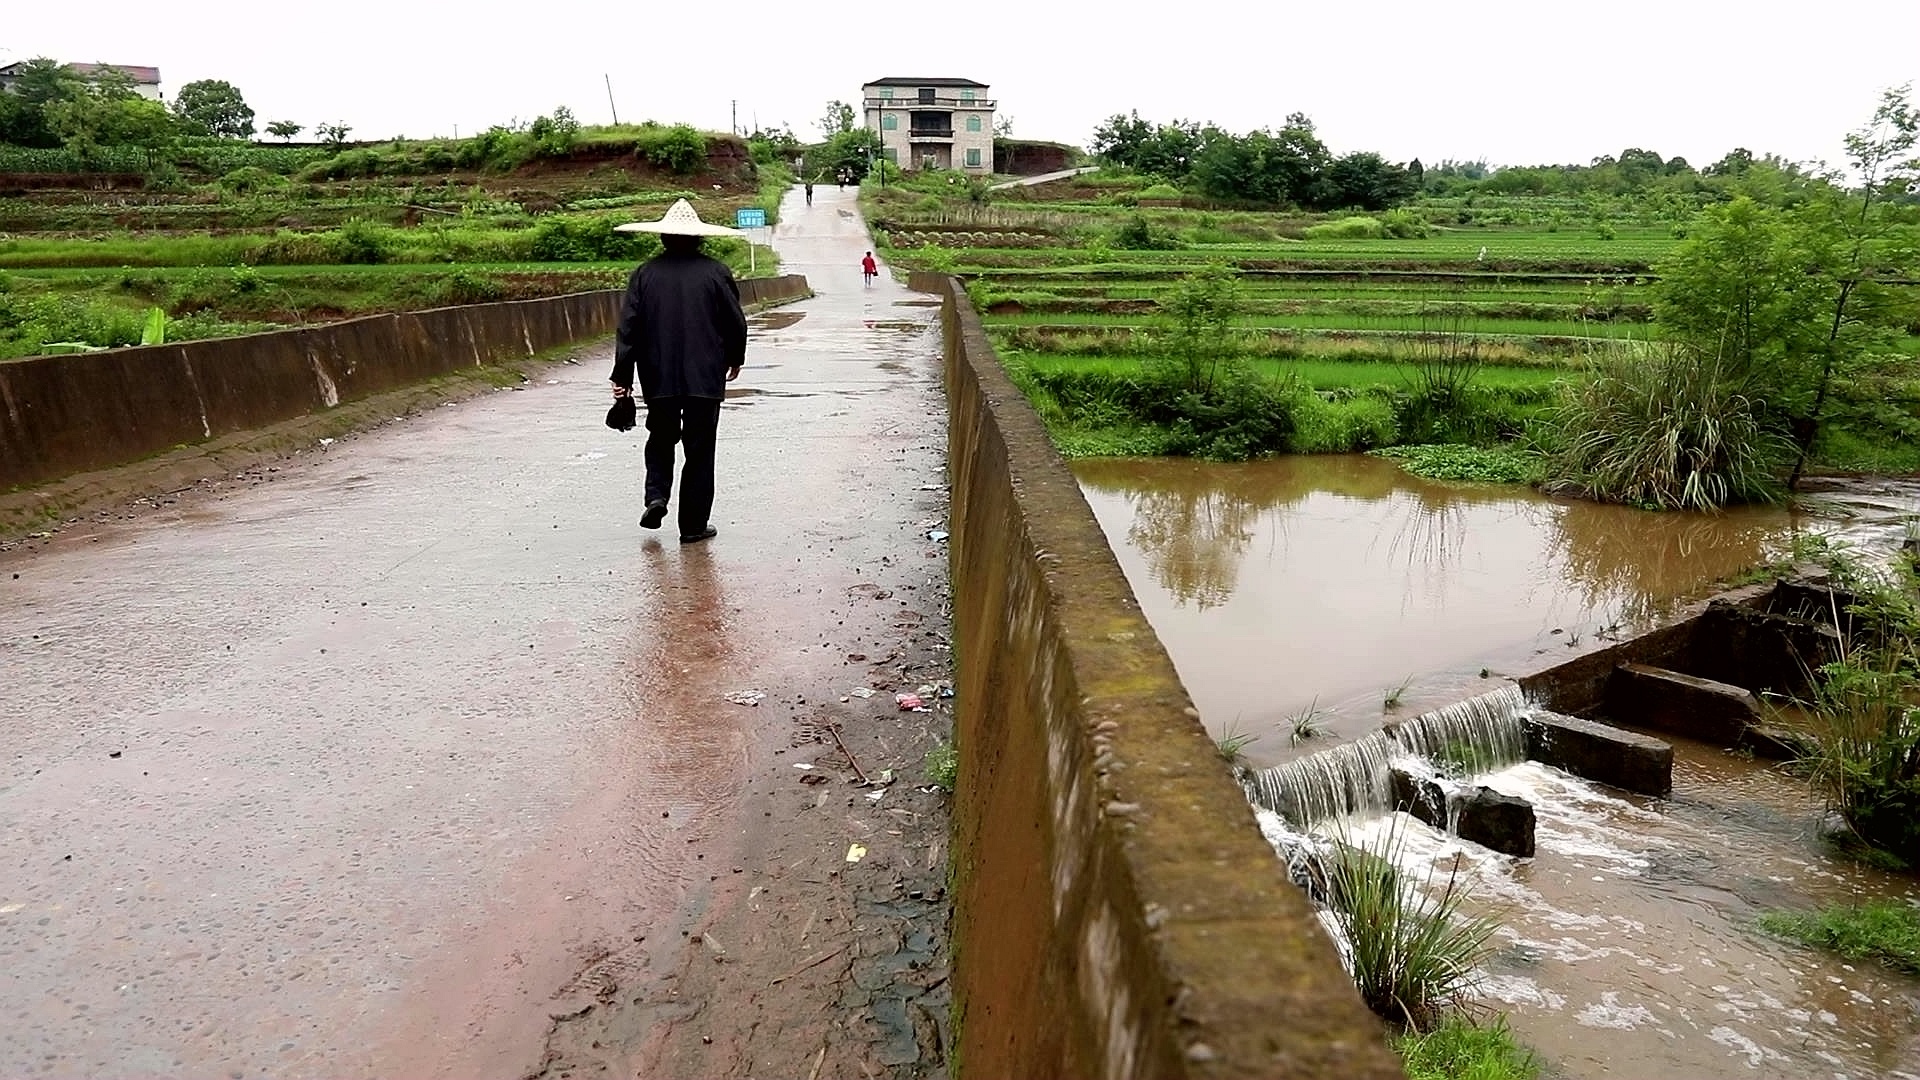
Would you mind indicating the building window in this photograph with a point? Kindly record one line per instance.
(889, 122)
(926, 95)
(973, 157)
(893, 154)
(886, 93)
(973, 123)
(966, 95)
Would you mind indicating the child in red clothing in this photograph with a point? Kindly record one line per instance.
(868, 269)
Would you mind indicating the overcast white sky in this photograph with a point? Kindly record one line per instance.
(1513, 81)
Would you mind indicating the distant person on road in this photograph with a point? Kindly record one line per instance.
(809, 193)
(868, 270)
(683, 332)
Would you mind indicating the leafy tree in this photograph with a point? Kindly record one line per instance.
(837, 119)
(1737, 161)
(555, 135)
(1203, 306)
(334, 135)
(1166, 150)
(1872, 246)
(852, 150)
(1790, 298)
(41, 82)
(1363, 179)
(108, 113)
(214, 107)
(284, 130)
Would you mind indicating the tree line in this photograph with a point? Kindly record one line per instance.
(1290, 166)
(51, 106)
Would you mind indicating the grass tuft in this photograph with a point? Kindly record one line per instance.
(1459, 1049)
(1886, 930)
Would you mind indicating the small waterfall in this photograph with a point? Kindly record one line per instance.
(1478, 735)
(1353, 780)
(1350, 780)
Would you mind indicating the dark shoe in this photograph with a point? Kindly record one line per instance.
(707, 533)
(656, 513)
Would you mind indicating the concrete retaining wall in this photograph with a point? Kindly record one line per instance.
(61, 415)
(1117, 913)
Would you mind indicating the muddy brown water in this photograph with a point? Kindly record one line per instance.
(1627, 945)
(1325, 582)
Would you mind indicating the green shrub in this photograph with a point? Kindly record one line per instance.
(250, 180)
(680, 148)
(1352, 228)
(1137, 234)
(346, 165)
(364, 243)
(1404, 224)
(464, 287)
(1160, 191)
(568, 238)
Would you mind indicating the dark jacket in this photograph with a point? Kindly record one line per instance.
(681, 328)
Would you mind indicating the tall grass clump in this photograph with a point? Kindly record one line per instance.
(1865, 708)
(1411, 950)
(1668, 428)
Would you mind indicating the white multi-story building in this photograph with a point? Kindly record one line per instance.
(932, 123)
(145, 80)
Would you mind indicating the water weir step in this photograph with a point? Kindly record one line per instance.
(1654, 697)
(1600, 752)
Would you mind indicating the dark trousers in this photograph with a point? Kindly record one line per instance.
(693, 423)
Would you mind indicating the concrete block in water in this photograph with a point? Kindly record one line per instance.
(1600, 752)
(1654, 697)
(1501, 822)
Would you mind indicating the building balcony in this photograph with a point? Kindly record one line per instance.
(929, 134)
(929, 103)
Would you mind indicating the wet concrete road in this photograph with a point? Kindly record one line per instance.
(353, 770)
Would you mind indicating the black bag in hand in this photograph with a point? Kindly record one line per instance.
(622, 416)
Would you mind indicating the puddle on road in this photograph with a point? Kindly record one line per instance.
(775, 320)
(1323, 581)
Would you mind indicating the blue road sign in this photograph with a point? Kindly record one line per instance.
(750, 219)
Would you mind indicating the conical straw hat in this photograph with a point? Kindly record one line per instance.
(680, 220)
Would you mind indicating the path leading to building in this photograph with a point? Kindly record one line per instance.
(415, 756)
(1043, 178)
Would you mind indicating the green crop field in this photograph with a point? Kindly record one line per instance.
(1075, 283)
(226, 237)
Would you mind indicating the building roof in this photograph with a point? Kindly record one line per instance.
(895, 80)
(146, 76)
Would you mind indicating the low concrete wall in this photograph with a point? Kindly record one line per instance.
(1117, 913)
(61, 415)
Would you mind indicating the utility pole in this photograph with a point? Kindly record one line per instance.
(615, 109)
(735, 123)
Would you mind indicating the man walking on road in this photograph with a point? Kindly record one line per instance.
(682, 330)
